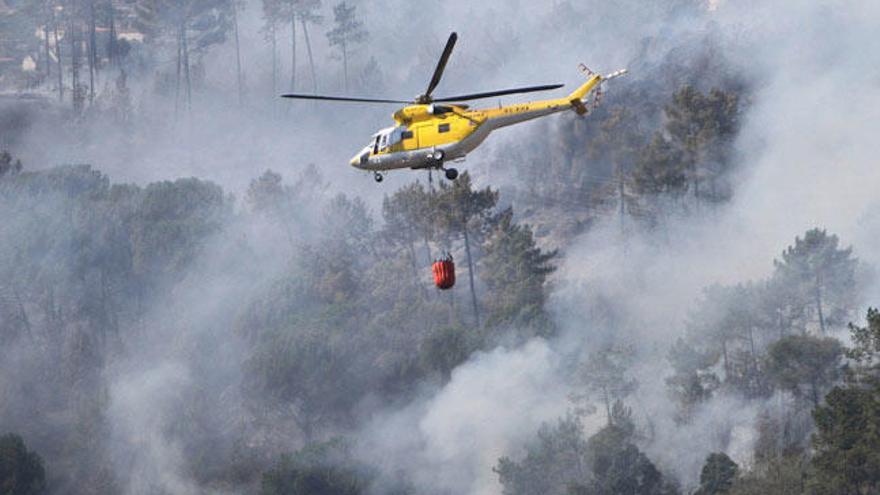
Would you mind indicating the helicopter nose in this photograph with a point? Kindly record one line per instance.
(361, 159)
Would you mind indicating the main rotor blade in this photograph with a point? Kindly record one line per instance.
(441, 64)
(341, 98)
(513, 91)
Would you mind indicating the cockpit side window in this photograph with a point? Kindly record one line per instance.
(390, 137)
(397, 135)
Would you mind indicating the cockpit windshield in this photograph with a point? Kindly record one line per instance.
(386, 138)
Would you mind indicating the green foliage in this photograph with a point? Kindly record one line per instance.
(847, 441)
(171, 222)
(8, 166)
(805, 366)
(866, 350)
(515, 271)
(347, 30)
(693, 382)
(317, 469)
(627, 471)
(556, 458)
(465, 213)
(293, 369)
(660, 169)
(782, 432)
(747, 328)
(717, 475)
(83, 260)
(847, 438)
(785, 475)
(560, 462)
(460, 206)
(21, 471)
(444, 349)
(208, 21)
(822, 275)
(702, 128)
(605, 373)
(407, 214)
(844, 458)
(617, 465)
(266, 192)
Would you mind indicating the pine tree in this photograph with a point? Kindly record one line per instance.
(605, 373)
(805, 365)
(717, 475)
(702, 128)
(823, 275)
(465, 212)
(21, 470)
(515, 271)
(847, 438)
(347, 31)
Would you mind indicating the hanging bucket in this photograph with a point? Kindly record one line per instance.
(444, 272)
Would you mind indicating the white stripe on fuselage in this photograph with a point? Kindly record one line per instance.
(421, 158)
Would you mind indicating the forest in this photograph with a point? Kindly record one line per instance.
(675, 294)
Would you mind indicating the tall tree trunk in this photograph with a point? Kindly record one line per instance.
(22, 313)
(112, 46)
(74, 67)
(292, 53)
(58, 59)
(607, 400)
(467, 249)
(622, 200)
(415, 269)
(345, 65)
(724, 356)
(754, 352)
(274, 60)
(186, 74)
(179, 72)
(305, 27)
(46, 47)
(237, 53)
(427, 248)
(93, 51)
(819, 306)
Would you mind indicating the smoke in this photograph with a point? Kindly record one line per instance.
(449, 440)
(807, 153)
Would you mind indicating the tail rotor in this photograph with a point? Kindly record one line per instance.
(594, 98)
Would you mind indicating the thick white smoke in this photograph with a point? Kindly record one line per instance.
(808, 153)
(450, 440)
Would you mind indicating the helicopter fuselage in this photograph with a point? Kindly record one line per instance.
(425, 136)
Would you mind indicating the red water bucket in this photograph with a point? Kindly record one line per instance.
(444, 272)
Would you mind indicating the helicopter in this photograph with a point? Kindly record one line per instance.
(429, 131)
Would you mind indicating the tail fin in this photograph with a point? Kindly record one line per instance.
(593, 80)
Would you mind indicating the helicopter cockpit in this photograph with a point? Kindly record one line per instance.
(388, 137)
(381, 142)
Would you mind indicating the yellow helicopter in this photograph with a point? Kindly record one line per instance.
(431, 131)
